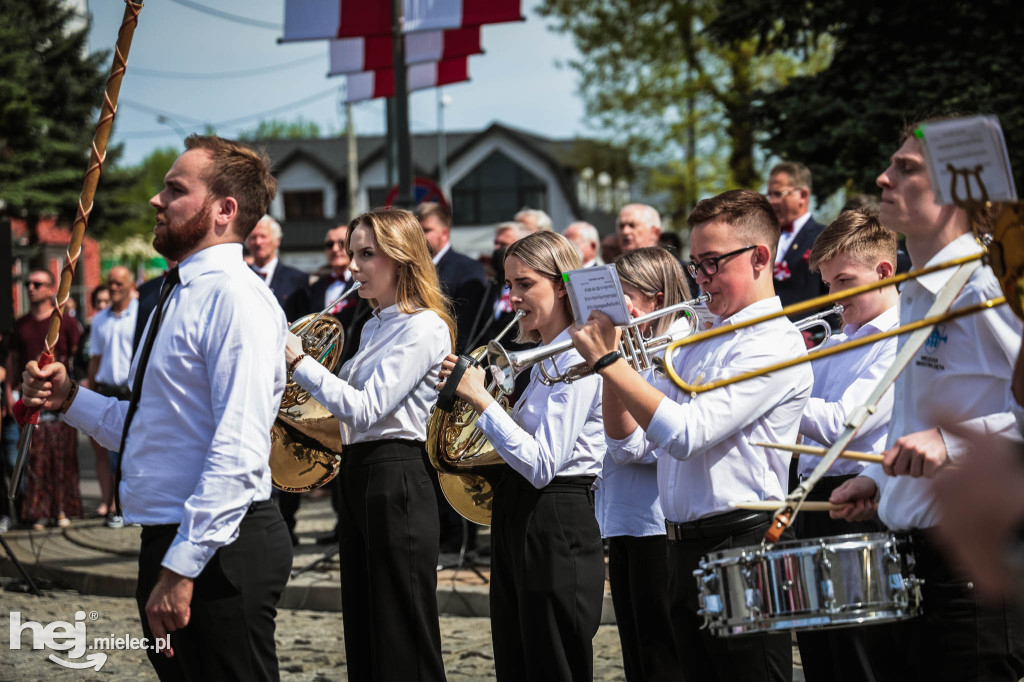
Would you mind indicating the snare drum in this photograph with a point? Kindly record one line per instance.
(826, 582)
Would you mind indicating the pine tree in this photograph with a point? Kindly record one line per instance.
(51, 90)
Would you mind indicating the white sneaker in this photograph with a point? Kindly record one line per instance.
(5, 524)
(115, 521)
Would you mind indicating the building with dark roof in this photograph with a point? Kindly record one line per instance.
(492, 174)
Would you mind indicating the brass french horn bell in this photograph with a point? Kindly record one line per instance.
(305, 441)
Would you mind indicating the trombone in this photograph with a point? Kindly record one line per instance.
(641, 353)
(819, 352)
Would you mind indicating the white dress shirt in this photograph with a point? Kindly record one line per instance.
(705, 458)
(440, 254)
(336, 288)
(961, 375)
(112, 335)
(842, 383)
(627, 501)
(386, 389)
(198, 449)
(787, 238)
(267, 271)
(554, 430)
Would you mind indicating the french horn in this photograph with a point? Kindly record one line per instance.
(467, 465)
(305, 440)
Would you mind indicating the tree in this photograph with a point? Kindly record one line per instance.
(893, 63)
(50, 94)
(651, 76)
(276, 129)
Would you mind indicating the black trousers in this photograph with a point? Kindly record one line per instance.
(230, 635)
(388, 535)
(704, 657)
(547, 579)
(957, 637)
(852, 654)
(638, 573)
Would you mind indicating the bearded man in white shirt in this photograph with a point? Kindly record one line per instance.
(961, 377)
(703, 442)
(207, 384)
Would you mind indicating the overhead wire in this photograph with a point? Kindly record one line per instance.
(227, 15)
(157, 73)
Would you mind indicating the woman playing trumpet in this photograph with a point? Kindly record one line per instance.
(628, 507)
(388, 526)
(547, 562)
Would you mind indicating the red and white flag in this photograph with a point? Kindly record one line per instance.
(374, 84)
(327, 19)
(371, 53)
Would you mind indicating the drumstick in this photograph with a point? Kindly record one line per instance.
(814, 450)
(772, 505)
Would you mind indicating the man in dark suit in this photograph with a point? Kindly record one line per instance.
(462, 278)
(263, 244)
(789, 192)
(352, 312)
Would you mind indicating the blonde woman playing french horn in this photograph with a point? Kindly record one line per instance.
(388, 526)
(547, 562)
(628, 507)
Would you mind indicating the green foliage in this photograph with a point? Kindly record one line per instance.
(276, 129)
(894, 63)
(651, 75)
(50, 92)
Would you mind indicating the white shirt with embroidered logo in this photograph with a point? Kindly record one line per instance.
(961, 375)
(198, 449)
(842, 383)
(705, 456)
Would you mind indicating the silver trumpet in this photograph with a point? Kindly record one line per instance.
(818, 320)
(640, 352)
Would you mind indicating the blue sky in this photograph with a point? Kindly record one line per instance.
(517, 81)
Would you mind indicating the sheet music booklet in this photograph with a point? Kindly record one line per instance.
(967, 143)
(596, 288)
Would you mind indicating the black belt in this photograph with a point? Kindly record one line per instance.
(156, 529)
(717, 526)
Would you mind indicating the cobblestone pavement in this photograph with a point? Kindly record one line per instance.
(309, 643)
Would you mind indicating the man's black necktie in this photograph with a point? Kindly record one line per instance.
(171, 280)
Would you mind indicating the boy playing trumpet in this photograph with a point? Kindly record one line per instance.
(705, 457)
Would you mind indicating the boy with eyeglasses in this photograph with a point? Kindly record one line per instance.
(703, 442)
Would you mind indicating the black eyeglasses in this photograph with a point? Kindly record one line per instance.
(33, 285)
(709, 266)
(331, 243)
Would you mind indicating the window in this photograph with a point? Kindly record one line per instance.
(495, 191)
(304, 205)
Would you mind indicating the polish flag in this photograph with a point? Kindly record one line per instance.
(371, 53)
(374, 84)
(328, 19)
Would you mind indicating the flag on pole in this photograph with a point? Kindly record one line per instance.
(329, 19)
(381, 83)
(371, 53)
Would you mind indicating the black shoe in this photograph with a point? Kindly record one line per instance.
(329, 539)
(295, 538)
